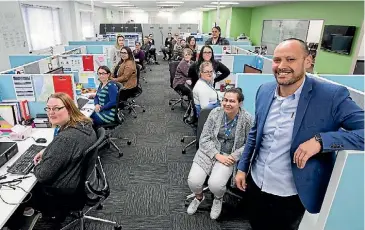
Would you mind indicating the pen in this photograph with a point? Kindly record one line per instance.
(292, 115)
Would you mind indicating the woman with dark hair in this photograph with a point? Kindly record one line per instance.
(139, 54)
(168, 48)
(191, 44)
(105, 99)
(221, 144)
(216, 38)
(152, 50)
(206, 54)
(127, 73)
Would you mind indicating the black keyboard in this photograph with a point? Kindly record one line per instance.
(24, 164)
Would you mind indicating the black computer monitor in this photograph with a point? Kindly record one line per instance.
(250, 69)
(58, 70)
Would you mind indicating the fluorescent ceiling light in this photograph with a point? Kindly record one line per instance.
(225, 3)
(124, 5)
(209, 6)
(168, 5)
(116, 2)
(128, 7)
(170, 2)
(137, 10)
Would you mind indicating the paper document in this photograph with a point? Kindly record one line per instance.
(23, 87)
(43, 87)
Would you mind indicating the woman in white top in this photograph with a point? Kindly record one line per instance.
(205, 96)
(114, 52)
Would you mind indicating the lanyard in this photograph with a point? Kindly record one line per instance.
(56, 131)
(211, 86)
(228, 130)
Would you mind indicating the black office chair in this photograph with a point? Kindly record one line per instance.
(130, 104)
(94, 185)
(172, 68)
(191, 120)
(119, 118)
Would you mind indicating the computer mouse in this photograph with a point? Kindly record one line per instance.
(41, 140)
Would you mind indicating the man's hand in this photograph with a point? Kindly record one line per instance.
(305, 151)
(97, 108)
(226, 160)
(38, 157)
(241, 180)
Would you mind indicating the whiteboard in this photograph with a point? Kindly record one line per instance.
(275, 31)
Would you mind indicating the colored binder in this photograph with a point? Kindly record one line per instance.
(88, 62)
(63, 84)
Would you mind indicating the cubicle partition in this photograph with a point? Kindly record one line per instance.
(19, 60)
(353, 81)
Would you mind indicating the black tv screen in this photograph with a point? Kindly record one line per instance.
(338, 39)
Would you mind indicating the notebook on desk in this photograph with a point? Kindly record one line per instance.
(81, 102)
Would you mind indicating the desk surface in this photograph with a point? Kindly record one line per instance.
(88, 108)
(17, 196)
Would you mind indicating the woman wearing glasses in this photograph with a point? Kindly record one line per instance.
(205, 96)
(58, 167)
(220, 147)
(206, 54)
(105, 99)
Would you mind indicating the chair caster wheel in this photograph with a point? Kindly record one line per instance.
(135, 116)
(143, 110)
(99, 207)
(120, 154)
(129, 142)
(172, 108)
(184, 151)
(117, 227)
(182, 140)
(170, 103)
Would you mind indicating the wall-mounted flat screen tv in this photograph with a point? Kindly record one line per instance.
(338, 39)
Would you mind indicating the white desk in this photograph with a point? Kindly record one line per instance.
(17, 196)
(88, 109)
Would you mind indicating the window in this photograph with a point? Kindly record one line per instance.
(87, 26)
(42, 26)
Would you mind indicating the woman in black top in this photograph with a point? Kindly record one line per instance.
(206, 54)
(152, 50)
(190, 43)
(167, 50)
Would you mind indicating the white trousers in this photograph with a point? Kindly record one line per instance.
(217, 182)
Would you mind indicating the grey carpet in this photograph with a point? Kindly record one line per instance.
(149, 183)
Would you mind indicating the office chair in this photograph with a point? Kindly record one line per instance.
(192, 123)
(172, 69)
(94, 185)
(119, 118)
(130, 103)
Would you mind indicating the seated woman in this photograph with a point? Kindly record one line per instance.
(105, 99)
(139, 55)
(220, 146)
(216, 38)
(181, 81)
(190, 43)
(127, 73)
(206, 54)
(205, 96)
(58, 168)
(178, 49)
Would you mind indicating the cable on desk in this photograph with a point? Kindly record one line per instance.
(15, 186)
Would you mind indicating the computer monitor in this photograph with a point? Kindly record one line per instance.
(58, 70)
(250, 69)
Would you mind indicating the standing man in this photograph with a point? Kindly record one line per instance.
(299, 125)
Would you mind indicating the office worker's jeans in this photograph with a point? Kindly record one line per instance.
(268, 211)
(217, 182)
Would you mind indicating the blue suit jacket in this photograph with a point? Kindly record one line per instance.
(322, 108)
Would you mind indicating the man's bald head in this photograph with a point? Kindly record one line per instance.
(302, 44)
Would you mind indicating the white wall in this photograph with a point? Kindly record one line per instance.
(361, 51)
(315, 31)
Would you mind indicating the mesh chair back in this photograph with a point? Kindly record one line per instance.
(203, 116)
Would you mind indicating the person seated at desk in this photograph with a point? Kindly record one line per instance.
(220, 146)
(105, 99)
(205, 96)
(58, 167)
(181, 81)
(139, 55)
(127, 73)
(114, 52)
(206, 54)
(178, 49)
(216, 38)
(190, 43)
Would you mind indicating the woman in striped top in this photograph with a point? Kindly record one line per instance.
(105, 99)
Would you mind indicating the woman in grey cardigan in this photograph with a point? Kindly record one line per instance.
(220, 146)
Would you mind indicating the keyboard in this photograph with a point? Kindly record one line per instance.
(24, 164)
(81, 102)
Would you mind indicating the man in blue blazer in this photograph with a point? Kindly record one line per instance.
(299, 124)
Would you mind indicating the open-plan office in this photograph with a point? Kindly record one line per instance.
(143, 161)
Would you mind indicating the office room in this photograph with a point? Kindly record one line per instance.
(183, 115)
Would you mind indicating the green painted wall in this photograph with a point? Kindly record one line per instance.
(333, 13)
(241, 21)
(211, 16)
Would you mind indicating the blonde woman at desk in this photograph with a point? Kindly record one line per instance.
(58, 167)
(105, 99)
(205, 96)
(220, 146)
(114, 52)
